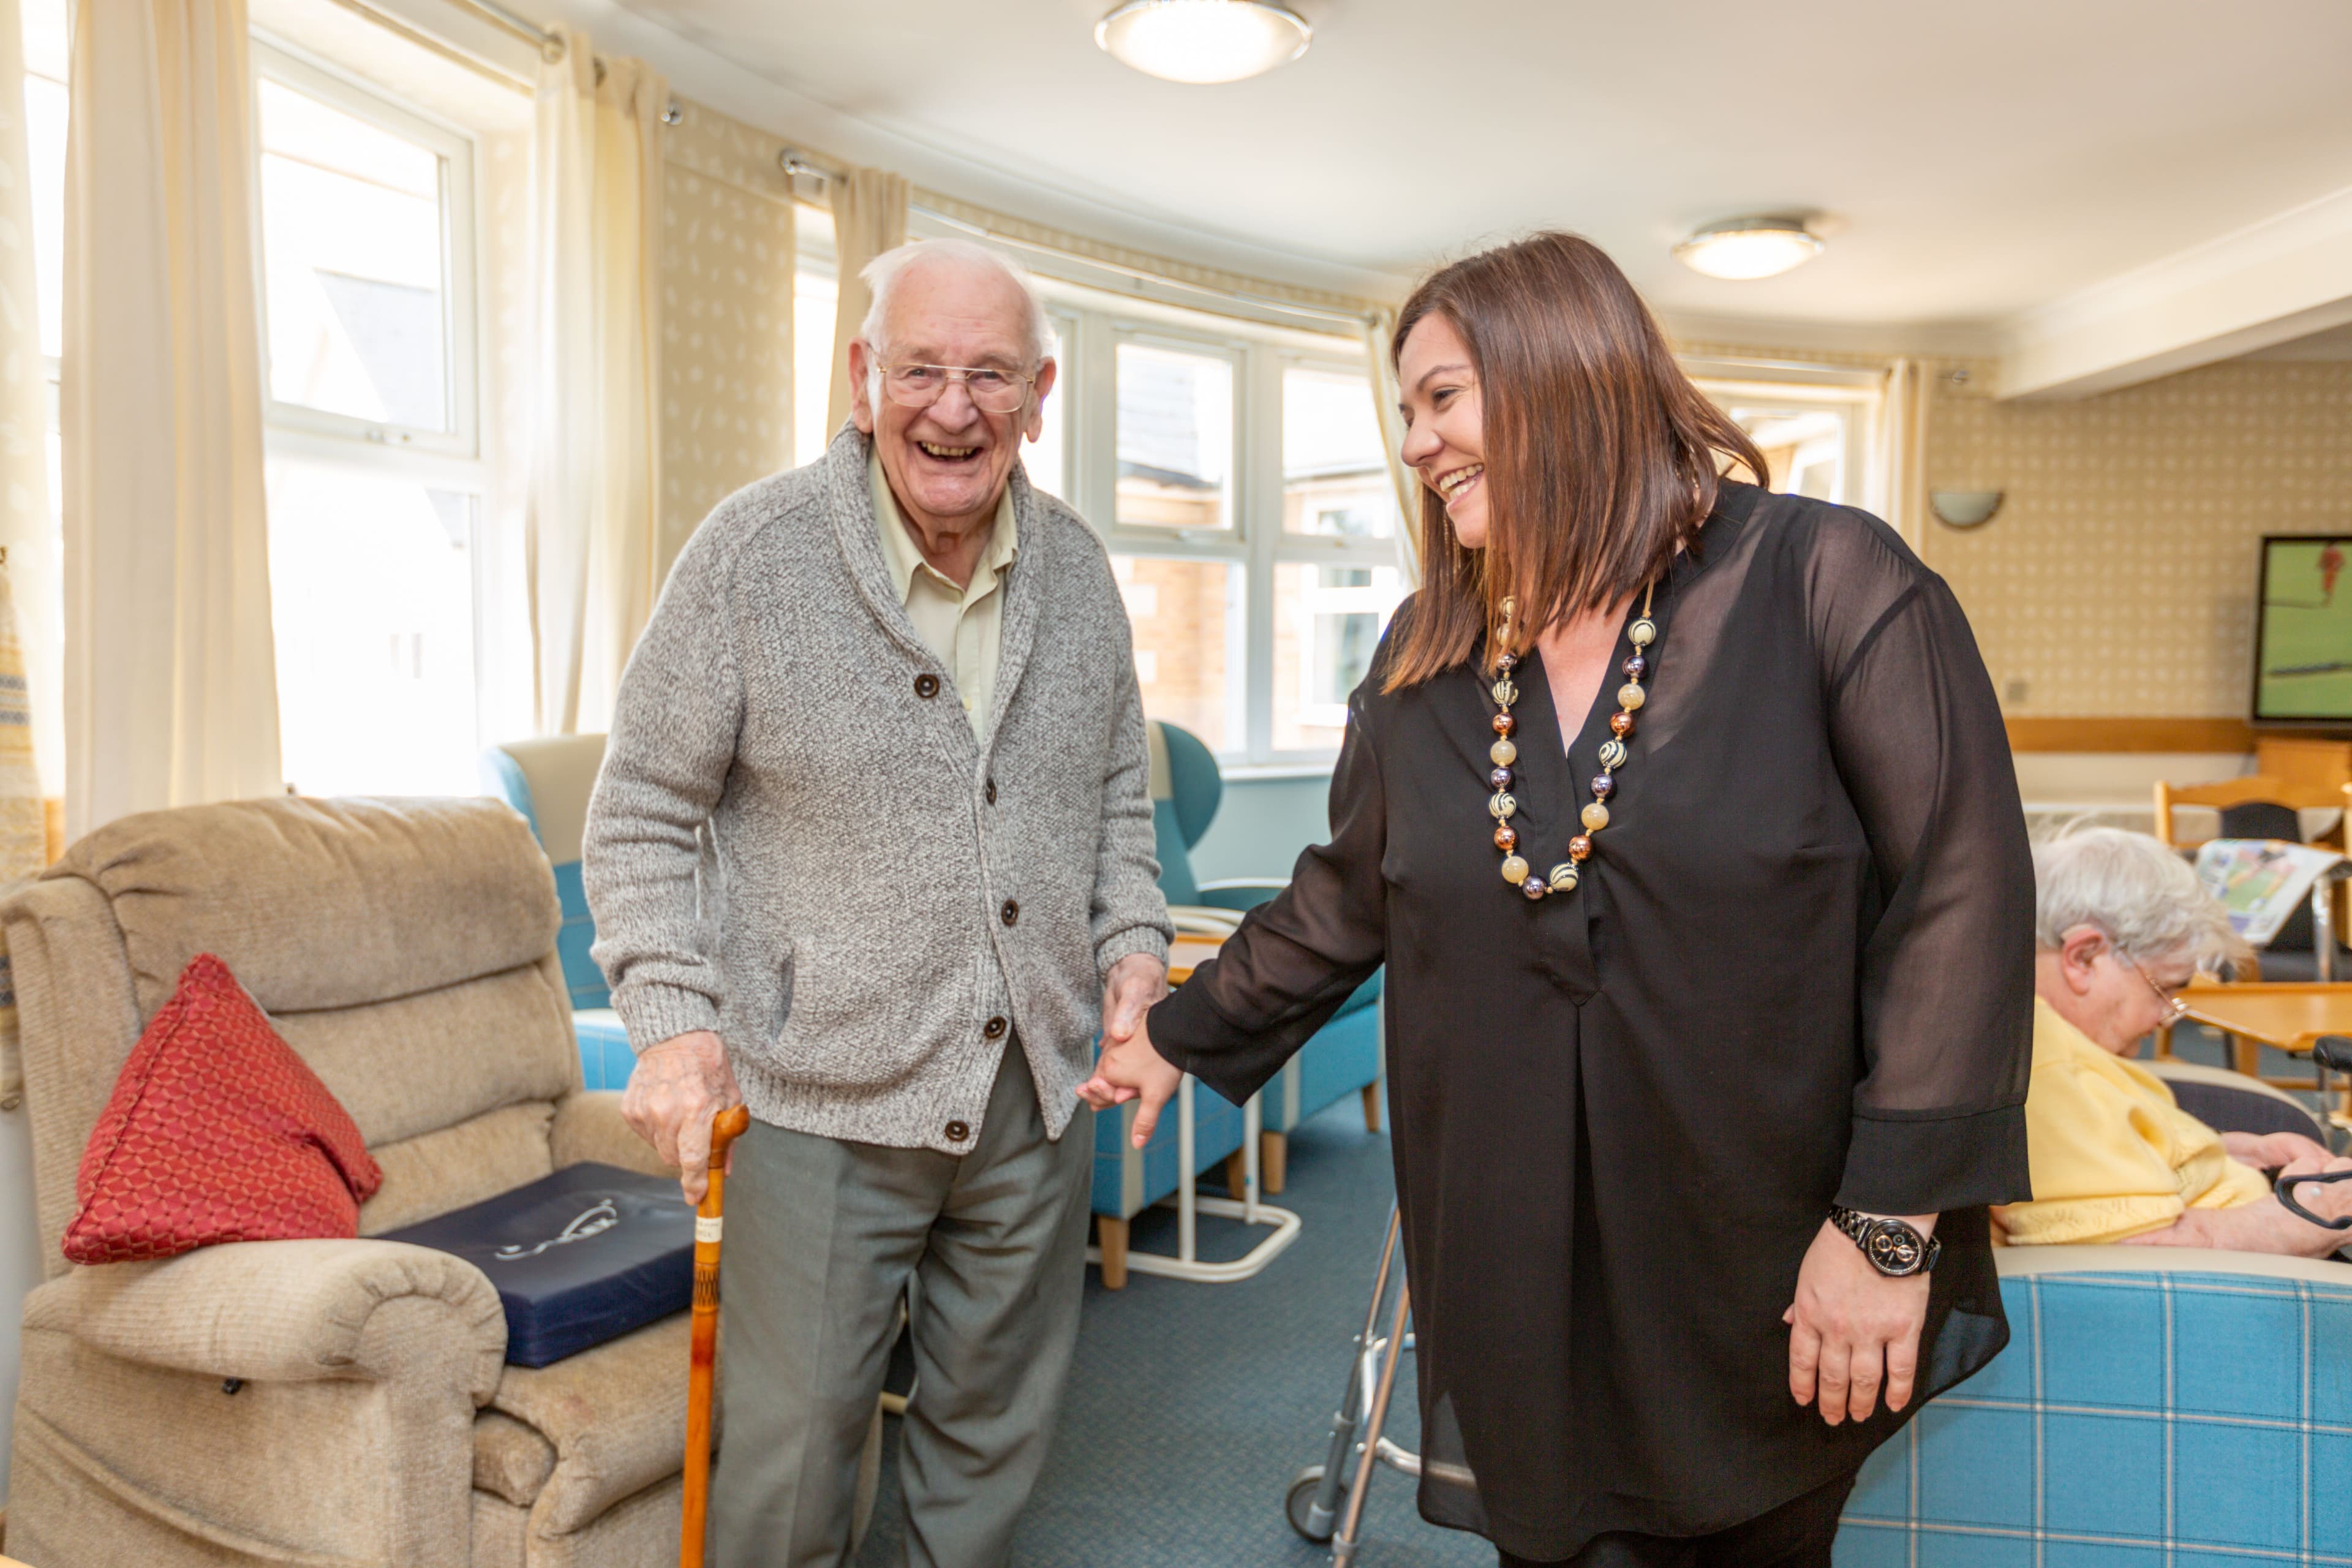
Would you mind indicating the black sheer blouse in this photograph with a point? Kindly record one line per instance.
(1798, 973)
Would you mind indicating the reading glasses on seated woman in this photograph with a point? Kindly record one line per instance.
(991, 389)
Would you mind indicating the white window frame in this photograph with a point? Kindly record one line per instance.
(460, 272)
(1853, 395)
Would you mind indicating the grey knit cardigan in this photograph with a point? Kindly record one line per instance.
(797, 841)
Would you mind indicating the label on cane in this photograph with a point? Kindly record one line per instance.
(706, 1228)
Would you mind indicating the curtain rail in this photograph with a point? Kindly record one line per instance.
(548, 44)
(367, 10)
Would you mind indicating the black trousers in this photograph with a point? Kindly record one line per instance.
(1797, 1534)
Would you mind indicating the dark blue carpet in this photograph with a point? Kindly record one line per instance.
(1191, 1406)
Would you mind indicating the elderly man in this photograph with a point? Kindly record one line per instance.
(872, 853)
(2120, 924)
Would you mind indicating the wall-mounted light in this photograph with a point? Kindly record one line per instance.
(1200, 41)
(1964, 508)
(1744, 247)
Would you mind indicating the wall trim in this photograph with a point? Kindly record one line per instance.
(2134, 734)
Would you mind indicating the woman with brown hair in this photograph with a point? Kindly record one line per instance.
(1683, 817)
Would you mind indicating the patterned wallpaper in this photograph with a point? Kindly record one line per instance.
(727, 317)
(2117, 580)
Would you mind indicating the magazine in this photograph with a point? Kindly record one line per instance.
(2261, 881)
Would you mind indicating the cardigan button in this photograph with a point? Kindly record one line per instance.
(958, 1132)
(927, 686)
(995, 1028)
(1011, 913)
(989, 794)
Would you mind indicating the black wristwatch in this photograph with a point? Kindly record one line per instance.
(1894, 1249)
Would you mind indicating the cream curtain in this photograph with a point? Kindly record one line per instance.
(170, 680)
(590, 531)
(1379, 326)
(31, 694)
(1898, 467)
(869, 217)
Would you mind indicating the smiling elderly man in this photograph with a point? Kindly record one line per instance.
(872, 853)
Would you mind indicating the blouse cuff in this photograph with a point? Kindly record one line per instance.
(1931, 1165)
(1193, 1036)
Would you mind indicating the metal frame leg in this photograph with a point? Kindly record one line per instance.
(1343, 1545)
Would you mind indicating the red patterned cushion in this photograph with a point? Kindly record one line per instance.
(218, 1132)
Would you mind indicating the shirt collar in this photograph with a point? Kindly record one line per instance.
(904, 559)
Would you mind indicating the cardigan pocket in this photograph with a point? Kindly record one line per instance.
(846, 1022)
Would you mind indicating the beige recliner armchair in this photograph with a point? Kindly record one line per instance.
(328, 1402)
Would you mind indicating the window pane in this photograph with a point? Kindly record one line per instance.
(45, 149)
(1335, 476)
(813, 302)
(1188, 623)
(1175, 438)
(1327, 622)
(1046, 459)
(351, 221)
(372, 594)
(1803, 448)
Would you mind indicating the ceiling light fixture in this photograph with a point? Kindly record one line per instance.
(1745, 247)
(1202, 41)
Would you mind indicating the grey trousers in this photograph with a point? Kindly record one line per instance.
(824, 1238)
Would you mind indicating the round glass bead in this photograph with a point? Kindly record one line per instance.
(1502, 806)
(1515, 870)
(1630, 696)
(1534, 889)
(1595, 816)
(1500, 778)
(1642, 632)
(1580, 847)
(1620, 724)
(1504, 724)
(1505, 694)
(1635, 666)
(1603, 786)
(1504, 752)
(1508, 663)
(1563, 877)
(1613, 754)
(1506, 836)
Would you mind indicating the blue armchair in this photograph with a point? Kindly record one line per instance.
(1345, 1056)
(2155, 1407)
(549, 782)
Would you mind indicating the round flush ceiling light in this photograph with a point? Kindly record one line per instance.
(1204, 40)
(1749, 247)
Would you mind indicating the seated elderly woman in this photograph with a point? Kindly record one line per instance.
(2121, 923)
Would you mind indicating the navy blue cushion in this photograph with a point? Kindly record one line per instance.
(581, 1256)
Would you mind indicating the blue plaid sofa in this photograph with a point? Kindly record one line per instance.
(2157, 1407)
(549, 781)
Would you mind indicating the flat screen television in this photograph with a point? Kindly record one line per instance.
(2303, 631)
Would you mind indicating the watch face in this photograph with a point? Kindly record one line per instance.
(1893, 1247)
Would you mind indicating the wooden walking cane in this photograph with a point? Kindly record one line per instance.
(725, 1128)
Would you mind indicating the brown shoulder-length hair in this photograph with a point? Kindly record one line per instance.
(1601, 457)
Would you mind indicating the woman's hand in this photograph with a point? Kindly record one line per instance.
(1128, 1069)
(1853, 1331)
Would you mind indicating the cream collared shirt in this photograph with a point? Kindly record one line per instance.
(961, 626)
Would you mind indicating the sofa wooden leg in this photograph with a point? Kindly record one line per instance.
(1372, 1107)
(1111, 1235)
(1273, 1163)
(1236, 1175)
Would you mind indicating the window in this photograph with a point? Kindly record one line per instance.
(375, 477)
(1810, 431)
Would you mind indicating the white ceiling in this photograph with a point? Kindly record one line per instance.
(1983, 159)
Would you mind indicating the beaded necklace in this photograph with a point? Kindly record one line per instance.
(1562, 877)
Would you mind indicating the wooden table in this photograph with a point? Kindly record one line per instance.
(1189, 951)
(2290, 1015)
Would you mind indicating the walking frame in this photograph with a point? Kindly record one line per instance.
(709, 1224)
(1313, 1502)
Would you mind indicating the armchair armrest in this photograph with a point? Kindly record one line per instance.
(1241, 892)
(588, 1126)
(2018, 1262)
(288, 1311)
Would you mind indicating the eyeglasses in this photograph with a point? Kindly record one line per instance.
(991, 391)
(2174, 1007)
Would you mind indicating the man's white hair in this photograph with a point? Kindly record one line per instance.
(2141, 894)
(882, 275)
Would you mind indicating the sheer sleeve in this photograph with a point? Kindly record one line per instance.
(1946, 980)
(1300, 954)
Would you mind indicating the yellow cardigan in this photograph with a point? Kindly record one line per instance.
(2112, 1154)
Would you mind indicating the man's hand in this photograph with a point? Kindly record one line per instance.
(2271, 1151)
(1852, 1329)
(1134, 983)
(1129, 1068)
(674, 1091)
